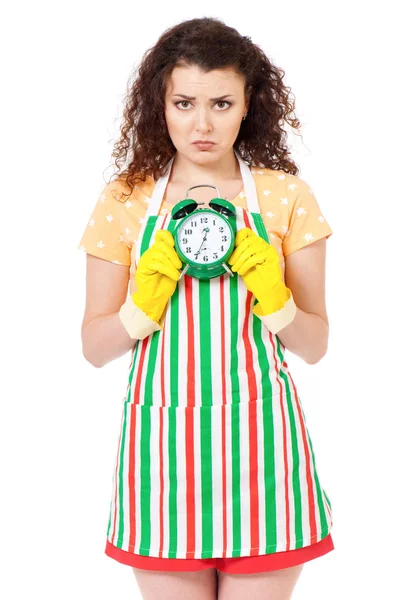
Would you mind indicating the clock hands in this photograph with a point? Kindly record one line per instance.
(206, 229)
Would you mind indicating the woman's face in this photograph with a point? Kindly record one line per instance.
(205, 116)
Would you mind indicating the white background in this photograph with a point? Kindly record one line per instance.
(64, 71)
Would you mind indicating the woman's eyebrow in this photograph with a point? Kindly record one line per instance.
(193, 97)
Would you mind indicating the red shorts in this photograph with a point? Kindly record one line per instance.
(242, 564)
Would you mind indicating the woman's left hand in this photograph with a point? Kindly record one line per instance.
(257, 262)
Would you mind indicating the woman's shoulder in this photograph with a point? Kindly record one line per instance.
(277, 180)
(122, 191)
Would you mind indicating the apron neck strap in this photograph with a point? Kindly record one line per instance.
(248, 180)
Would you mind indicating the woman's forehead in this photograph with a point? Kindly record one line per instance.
(195, 78)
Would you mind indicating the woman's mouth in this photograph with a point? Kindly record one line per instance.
(203, 145)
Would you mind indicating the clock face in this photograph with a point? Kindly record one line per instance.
(204, 237)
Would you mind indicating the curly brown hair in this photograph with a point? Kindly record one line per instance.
(145, 143)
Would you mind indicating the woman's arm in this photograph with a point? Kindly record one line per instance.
(103, 335)
(307, 335)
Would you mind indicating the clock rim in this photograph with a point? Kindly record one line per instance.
(216, 263)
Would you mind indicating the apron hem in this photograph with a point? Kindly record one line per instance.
(206, 555)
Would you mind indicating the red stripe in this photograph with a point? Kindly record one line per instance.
(308, 472)
(252, 421)
(189, 430)
(287, 499)
(223, 415)
(131, 483)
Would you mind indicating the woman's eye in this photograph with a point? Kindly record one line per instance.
(187, 102)
(224, 102)
(182, 102)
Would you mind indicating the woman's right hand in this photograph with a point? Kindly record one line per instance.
(157, 275)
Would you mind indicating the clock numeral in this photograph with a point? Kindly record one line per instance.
(193, 223)
(222, 248)
(220, 229)
(205, 258)
(203, 219)
(223, 238)
(215, 255)
(213, 221)
(188, 250)
(184, 241)
(188, 231)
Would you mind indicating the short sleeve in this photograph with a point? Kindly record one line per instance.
(306, 222)
(103, 236)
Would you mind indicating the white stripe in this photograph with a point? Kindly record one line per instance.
(114, 486)
(245, 477)
(227, 341)
(195, 412)
(137, 473)
(289, 482)
(154, 479)
(261, 477)
(197, 325)
(124, 544)
(181, 485)
(165, 507)
(307, 541)
(276, 382)
(229, 480)
(216, 353)
(242, 292)
(182, 345)
(279, 474)
(217, 481)
(305, 517)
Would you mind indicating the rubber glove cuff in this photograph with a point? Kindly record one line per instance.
(278, 309)
(149, 307)
(136, 322)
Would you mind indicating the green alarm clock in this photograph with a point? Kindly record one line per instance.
(204, 237)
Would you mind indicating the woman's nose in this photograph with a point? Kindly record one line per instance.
(203, 120)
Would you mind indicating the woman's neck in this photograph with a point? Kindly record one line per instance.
(185, 171)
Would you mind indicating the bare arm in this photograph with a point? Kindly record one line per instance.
(103, 335)
(307, 335)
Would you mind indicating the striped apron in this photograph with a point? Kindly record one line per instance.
(214, 457)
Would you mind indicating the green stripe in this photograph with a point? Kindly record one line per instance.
(294, 449)
(145, 414)
(235, 417)
(268, 439)
(234, 310)
(320, 499)
(204, 328)
(147, 233)
(153, 358)
(206, 438)
(328, 500)
(131, 374)
(120, 478)
(172, 469)
(268, 419)
(259, 224)
(172, 415)
(109, 518)
(145, 480)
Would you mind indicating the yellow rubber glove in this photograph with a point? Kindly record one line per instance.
(157, 275)
(257, 262)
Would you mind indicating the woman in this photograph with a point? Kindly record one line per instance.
(215, 472)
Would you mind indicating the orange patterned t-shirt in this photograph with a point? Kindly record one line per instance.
(289, 209)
